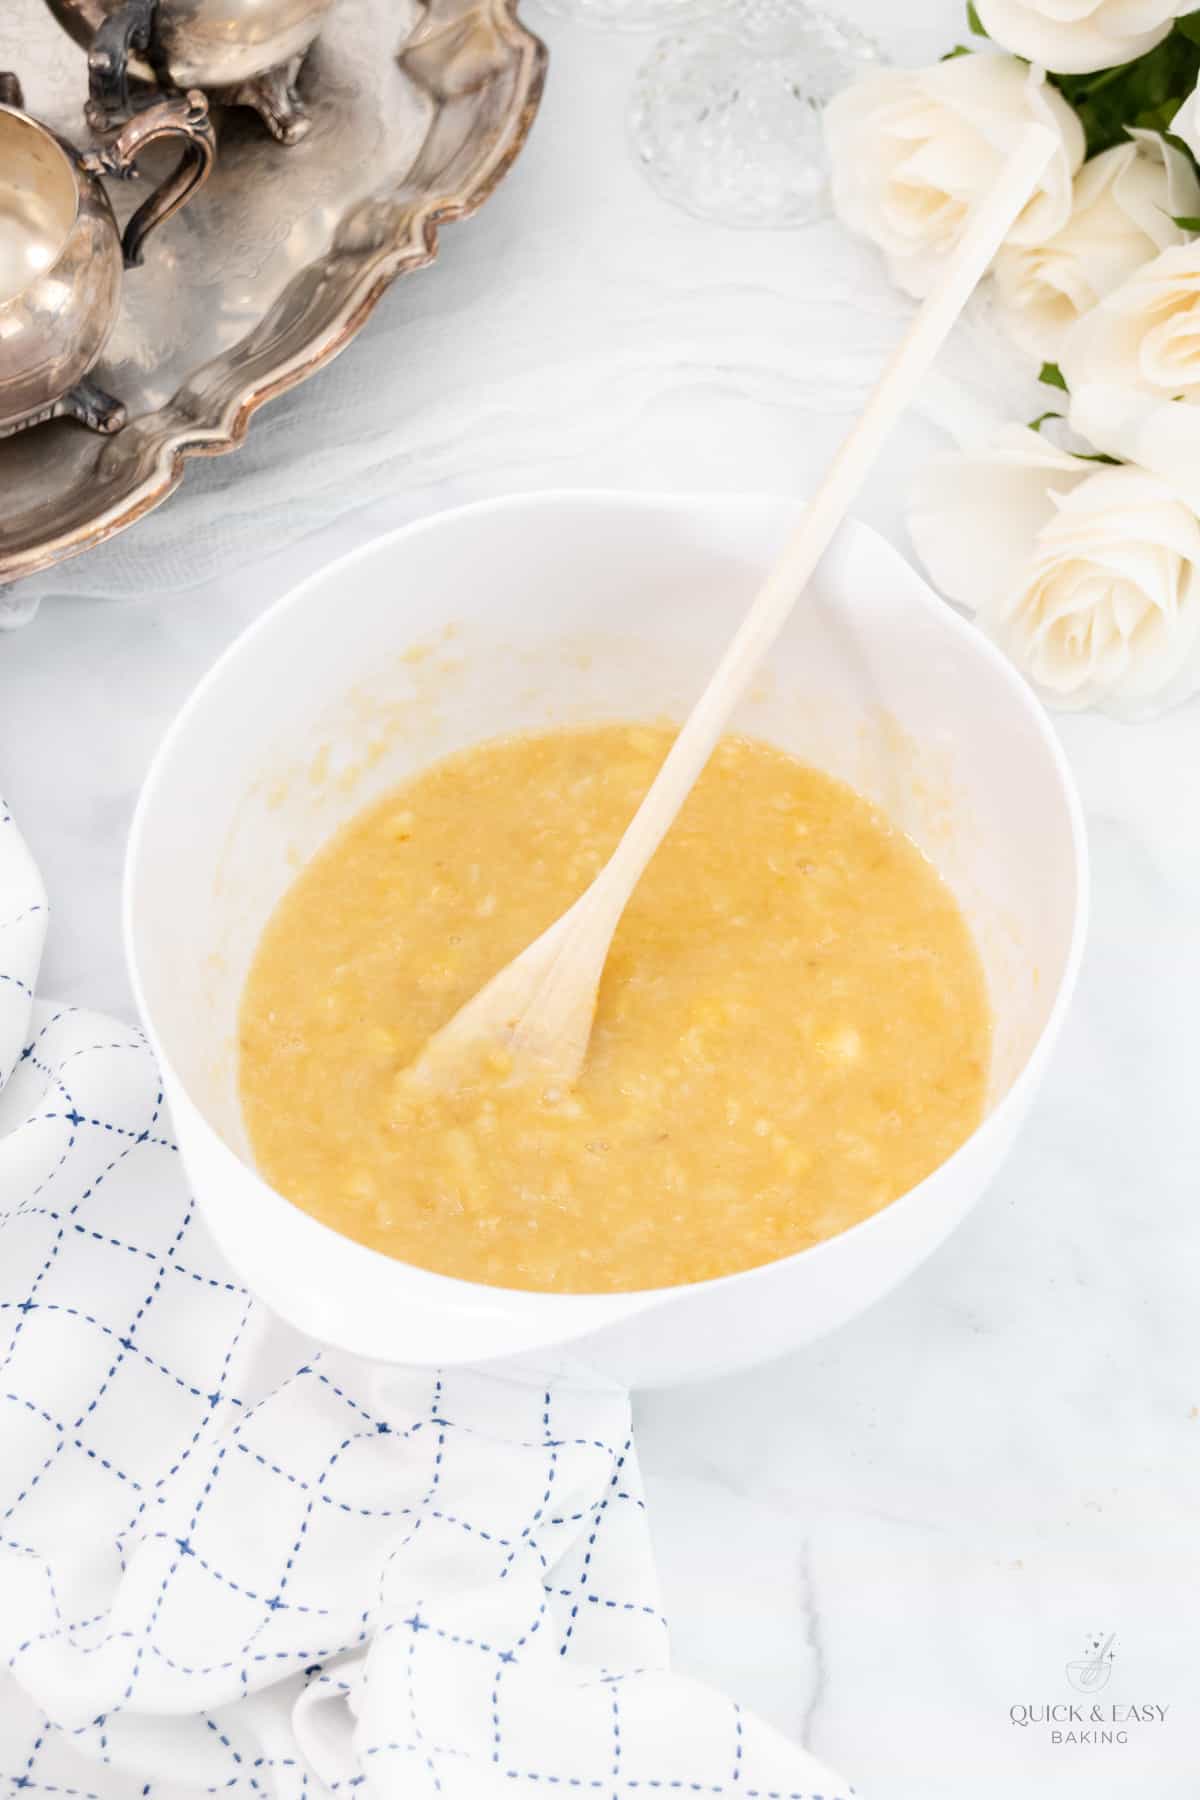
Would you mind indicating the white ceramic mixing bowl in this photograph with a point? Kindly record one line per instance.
(554, 609)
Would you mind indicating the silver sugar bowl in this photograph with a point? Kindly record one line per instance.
(62, 255)
(240, 52)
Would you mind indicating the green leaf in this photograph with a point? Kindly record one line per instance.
(1147, 92)
(958, 50)
(1186, 221)
(1097, 456)
(1052, 375)
(1189, 25)
(974, 21)
(1156, 118)
(1036, 424)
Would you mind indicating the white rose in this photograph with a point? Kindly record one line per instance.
(1073, 37)
(1123, 211)
(911, 149)
(1133, 368)
(1088, 576)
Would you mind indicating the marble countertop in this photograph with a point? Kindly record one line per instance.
(890, 1541)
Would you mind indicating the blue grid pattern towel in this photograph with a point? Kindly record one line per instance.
(231, 1562)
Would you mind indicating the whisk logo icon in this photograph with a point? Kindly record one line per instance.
(1089, 1673)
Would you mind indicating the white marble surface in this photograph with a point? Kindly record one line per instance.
(887, 1541)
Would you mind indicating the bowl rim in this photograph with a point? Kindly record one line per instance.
(590, 1311)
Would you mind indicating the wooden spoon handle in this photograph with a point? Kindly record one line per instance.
(986, 230)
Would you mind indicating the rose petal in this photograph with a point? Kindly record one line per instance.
(1183, 187)
(973, 516)
(1074, 37)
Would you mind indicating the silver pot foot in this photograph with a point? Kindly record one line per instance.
(86, 403)
(91, 406)
(276, 99)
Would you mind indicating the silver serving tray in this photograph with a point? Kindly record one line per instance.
(418, 110)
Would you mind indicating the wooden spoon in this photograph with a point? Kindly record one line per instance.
(538, 1011)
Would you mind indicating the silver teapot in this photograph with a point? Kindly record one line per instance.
(240, 52)
(62, 254)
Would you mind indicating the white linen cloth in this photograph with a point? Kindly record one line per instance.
(233, 1562)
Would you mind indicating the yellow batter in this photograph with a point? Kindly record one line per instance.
(793, 1027)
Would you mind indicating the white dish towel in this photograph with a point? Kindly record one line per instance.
(232, 1562)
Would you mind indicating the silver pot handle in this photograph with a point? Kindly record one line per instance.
(184, 116)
